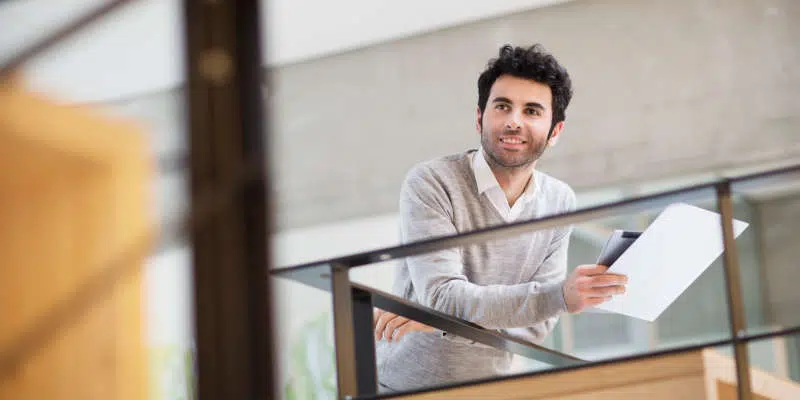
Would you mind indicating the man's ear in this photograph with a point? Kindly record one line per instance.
(478, 120)
(555, 134)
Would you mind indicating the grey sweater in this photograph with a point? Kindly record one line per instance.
(512, 285)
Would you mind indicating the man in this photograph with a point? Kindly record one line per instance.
(514, 285)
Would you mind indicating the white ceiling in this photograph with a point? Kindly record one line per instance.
(138, 50)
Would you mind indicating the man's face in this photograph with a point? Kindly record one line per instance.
(516, 121)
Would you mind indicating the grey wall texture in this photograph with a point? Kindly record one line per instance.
(662, 88)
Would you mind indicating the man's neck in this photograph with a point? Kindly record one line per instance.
(513, 181)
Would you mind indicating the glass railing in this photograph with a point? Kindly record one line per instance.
(728, 305)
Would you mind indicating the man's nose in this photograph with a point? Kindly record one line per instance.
(514, 121)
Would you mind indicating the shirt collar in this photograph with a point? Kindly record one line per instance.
(485, 179)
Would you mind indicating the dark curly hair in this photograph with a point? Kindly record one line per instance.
(531, 63)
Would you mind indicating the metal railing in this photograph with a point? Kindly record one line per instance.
(353, 303)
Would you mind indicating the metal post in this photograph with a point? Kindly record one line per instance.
(734, 291)
(355, 344)
(230, 243)
(365, 342)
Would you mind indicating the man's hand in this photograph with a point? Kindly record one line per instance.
(589, 285)
(392, 326)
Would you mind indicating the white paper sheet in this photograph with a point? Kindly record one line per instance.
(669, 255)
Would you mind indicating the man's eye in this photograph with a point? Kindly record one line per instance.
(532, 111)
(501, 107)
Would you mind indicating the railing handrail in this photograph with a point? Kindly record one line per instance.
(615, 208)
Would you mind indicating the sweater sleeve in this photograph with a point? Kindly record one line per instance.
(438, 278)
(552, 270)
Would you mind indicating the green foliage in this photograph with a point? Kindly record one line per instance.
(312, 367)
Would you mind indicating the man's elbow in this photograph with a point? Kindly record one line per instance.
(439, 298)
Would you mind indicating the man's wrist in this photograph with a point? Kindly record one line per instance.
(552, 301)
(565, 307)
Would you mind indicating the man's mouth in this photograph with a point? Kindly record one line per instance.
(511, 140)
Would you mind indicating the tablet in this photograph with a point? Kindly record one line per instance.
(616, 245)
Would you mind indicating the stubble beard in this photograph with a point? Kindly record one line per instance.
(523, 161)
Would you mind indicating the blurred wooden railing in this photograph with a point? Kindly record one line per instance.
(75, 227)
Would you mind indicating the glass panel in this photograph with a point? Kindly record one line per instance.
(775, 373)
(304, 314)
(769, 265)
(304, 324)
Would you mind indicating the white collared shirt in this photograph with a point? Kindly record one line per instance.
(487, 183)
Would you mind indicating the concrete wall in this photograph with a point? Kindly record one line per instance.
(662, 88)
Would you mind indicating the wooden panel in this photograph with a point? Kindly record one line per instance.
(727, 391)
(720, 376)
(76, 228)
(601, 378)
(685, 388)
(704, 374)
